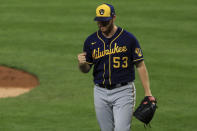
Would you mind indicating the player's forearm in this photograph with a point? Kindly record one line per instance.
(84, 67)
(143, 74)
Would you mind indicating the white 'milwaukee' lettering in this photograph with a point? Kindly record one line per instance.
(98, 54)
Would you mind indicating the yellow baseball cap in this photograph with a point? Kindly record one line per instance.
(104, 12)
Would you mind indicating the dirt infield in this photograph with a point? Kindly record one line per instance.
(14, 82)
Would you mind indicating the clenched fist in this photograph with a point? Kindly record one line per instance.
(83, 65)
(82, 58)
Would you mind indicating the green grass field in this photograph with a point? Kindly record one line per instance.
(45, 36)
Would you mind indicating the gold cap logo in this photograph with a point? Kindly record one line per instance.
(101, 11)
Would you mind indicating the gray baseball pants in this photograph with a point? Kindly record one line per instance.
(114, 108)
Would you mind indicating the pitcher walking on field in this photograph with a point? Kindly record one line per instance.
(114, 53)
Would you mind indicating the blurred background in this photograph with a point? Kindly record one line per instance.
(44, 37)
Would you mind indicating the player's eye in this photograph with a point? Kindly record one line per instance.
(104, 23)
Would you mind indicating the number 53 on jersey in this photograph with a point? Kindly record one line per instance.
(120, 62)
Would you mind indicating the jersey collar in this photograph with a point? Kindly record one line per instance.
(114, 36)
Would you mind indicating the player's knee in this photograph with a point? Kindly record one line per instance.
(122, 127)
(106, 128)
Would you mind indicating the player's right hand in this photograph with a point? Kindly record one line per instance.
(82, 58)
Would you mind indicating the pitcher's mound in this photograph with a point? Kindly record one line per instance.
(14, 82)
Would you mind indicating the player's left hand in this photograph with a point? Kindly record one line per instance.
(146, 109)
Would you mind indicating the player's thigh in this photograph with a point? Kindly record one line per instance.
(122, 117)
(123, 109)
(104, 112)
(105, 118)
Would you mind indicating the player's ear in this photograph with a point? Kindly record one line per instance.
(114, 18)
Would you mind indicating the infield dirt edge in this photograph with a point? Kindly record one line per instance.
(15, 82)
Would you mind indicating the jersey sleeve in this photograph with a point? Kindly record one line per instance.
(87, 49)
(137, 51)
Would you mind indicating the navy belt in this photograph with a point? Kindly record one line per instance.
(113, 86)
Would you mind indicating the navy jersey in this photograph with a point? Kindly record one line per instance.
(113, 58)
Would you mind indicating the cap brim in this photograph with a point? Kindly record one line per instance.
(102, 18)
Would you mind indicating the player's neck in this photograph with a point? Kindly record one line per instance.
(110, 33)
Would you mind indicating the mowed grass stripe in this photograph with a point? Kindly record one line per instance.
(44, 37)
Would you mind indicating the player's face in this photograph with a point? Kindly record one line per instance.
(105, 26)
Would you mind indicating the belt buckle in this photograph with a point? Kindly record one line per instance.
(108, 87)
(104, 86)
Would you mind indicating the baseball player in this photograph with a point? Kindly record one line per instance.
(114, 53)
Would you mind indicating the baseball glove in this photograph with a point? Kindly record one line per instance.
(146, 109)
